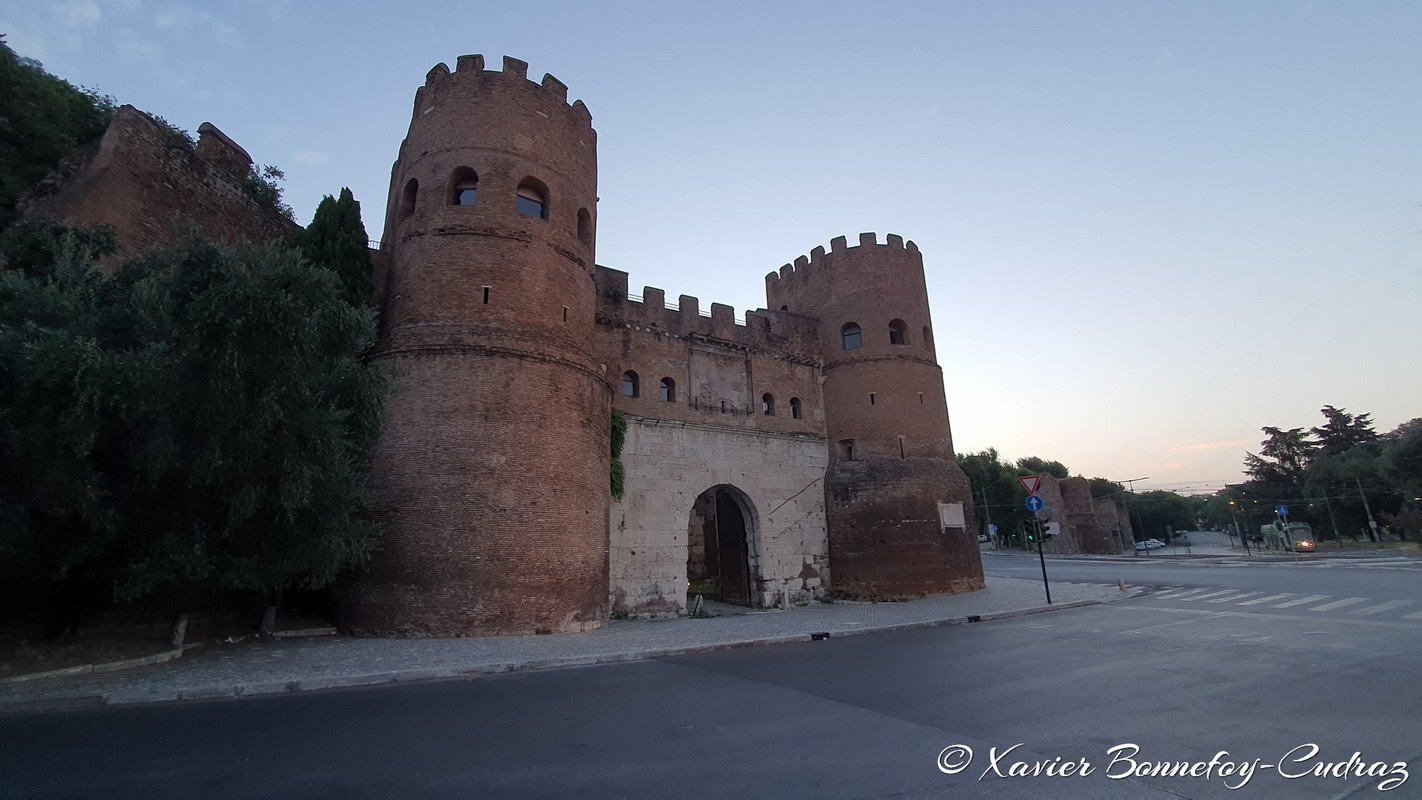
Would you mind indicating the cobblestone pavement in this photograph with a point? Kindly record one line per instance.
(288, 665)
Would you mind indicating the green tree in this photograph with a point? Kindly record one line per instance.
(1342, 431)
(336, 240)
(1032, 465)
(1283, 455)
(200, 419)
(42, 120)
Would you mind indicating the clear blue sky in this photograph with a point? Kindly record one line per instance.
(1150, 228)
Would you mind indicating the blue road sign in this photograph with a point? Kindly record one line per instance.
(1034, 503)
(1281, 510)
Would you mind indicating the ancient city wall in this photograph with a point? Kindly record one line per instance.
(140, 176)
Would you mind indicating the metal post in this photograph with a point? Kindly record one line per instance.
(1037, 524)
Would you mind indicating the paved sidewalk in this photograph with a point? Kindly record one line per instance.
(287, 665)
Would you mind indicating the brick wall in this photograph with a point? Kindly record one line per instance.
(141, 180)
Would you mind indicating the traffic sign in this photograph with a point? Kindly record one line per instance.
(1034, 503)
(1030, 483)
(1281, 510)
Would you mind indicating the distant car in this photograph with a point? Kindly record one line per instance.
(1304, 546)
(983, 537)
(1150, 544)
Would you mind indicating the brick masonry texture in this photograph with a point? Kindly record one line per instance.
(143, 181)
(508, 346)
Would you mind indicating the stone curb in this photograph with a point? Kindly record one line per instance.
(86, 669)
(20, 705)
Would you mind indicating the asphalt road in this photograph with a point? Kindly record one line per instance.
(856, 717)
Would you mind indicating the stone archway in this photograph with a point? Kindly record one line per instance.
(720, 546)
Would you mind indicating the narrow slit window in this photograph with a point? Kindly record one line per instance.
(565, 313)
(920, 398)
(871, 398)
(486, 294)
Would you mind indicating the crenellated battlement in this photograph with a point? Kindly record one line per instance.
(758, 329)
(471, 67)
(813, 278)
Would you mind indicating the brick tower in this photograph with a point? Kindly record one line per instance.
(895, 500)
(491, 477)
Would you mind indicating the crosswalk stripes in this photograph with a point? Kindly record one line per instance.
(1347, 601)
(1391, 605)
(1232, 597)
(1313, 598)
(1271, 598)
(1322, 603)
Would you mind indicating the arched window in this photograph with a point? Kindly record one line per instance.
(584, 226)
(898, 332)
(532, 199)
(927, 338)
(853, 337)
(630, 386)
(463, 187)
(795, 408)
(767, 405)
(407, 199)
(668, 390)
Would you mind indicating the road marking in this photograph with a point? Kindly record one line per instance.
(1313, 598)
(1347, 601)
(1178, 595)
(1211, 594)
(1268, 599)
(1381, 607)
(1233, 598)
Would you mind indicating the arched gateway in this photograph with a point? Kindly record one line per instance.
(721, 551)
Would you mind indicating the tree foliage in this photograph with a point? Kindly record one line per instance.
(42, 120)
(336, 240)
(201, 418)
(1339, 476)
(1032, 465)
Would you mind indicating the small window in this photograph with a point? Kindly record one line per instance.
(668, 390)
(846, 449)
(408, 197)
(767, 405)
(871, 398)
(853, 337)
(584, 226)
(630, 386)
(795, 408)
(531, 201)
(463, 187)
(898, 332)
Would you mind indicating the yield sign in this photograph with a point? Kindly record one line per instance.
(1030, 483)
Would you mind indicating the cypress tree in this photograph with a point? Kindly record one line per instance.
(336, 240)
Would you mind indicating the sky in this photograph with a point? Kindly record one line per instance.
(1149, 229)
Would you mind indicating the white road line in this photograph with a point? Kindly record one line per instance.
(1211, 594)
(1232, 598)
(1391, 605)
(1347, 601)
(1268, 599)
(1178, 595)
(1313, 598)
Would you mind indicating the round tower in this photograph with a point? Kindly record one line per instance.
(897, 503)
(490, 480)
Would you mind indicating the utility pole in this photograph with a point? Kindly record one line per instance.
(1131, 488)
(1337, 534)
(1372, 523)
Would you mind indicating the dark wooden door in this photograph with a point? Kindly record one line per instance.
(731, 549)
